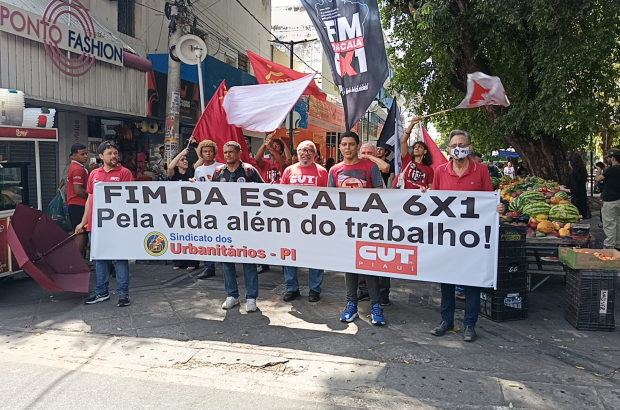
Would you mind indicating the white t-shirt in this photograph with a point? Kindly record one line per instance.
(510, 172)
(204, 173)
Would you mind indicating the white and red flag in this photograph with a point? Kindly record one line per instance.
(214, 126)
(268, 72)
(482, 90)
(263, 107)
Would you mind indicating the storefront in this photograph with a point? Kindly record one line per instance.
(214, 71)
(85, 76)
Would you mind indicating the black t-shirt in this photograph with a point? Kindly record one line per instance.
(189, 173)
(611, 188)
(578, 192)
(386, 175)
(243, 173)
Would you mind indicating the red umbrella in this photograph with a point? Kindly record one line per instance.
(45, 252)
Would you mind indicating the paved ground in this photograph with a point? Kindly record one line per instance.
(175, 347)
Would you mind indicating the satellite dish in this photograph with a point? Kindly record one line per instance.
(189, 48)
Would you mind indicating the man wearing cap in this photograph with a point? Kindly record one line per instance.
(611, 199)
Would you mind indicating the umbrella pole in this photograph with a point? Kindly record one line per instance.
(58, 246)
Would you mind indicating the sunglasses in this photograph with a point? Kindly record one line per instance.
(183, 159)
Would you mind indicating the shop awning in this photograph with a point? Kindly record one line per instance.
(214, 72)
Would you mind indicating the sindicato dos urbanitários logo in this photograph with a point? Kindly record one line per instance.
(155, 244)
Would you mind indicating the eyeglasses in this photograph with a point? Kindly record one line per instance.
(183, 159)
(459, 146)
(307, 151)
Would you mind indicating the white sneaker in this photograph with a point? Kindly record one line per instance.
(230, 302)
(250, 305)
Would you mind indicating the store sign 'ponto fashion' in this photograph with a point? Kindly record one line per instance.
(59, 38)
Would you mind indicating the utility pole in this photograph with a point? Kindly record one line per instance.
(291, 126)
(173, 97)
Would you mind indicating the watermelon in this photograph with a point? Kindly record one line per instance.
(536, 208)
(515, 204)
(532, 196)
(562, 194)
(495, 182)
(564, 213)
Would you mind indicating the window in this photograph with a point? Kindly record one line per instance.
(231, 61)
(243, 62)
(127, 17)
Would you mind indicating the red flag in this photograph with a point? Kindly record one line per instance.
(213, 125)
(438, 157)
(268, 72)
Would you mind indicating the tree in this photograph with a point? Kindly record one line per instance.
(558, 61)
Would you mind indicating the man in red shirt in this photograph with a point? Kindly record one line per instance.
(271, 169)
(77, 177)
(354, 172)
(111, 171)
(461, 174)
(306, 173)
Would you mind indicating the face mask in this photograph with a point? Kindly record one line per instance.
(459, 153)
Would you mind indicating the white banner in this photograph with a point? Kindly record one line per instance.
(437, 236)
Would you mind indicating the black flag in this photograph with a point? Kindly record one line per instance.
(391, 135)
(350, 31)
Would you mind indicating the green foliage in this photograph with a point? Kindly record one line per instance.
(558, 61)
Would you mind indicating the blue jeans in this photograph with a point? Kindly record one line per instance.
(315, 278)
(472, 304)
(250, 276)
(209, 265)
(103, 276)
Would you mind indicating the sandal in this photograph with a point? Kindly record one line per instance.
(176, 268)
(191, 268)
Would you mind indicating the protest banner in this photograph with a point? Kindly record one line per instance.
(437, 236)
(352, 39)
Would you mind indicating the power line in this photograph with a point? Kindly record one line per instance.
(286, 45)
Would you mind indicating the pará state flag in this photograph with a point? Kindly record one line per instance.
(391, 135)
(482, 90)
(351, 35)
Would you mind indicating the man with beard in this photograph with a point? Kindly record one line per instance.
(355, 172)
(236, 171)
(306, 173)
(111, 171)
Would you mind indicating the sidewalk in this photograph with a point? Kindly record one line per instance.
(301, 348)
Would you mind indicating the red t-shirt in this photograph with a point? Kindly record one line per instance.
(314, 175)
(475, 178)
(414, 175)
(364, 174)
(76, 175)
(270, 171)
(116, 174)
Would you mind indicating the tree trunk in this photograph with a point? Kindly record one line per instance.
(546, 157)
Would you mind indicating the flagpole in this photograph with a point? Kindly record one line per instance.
(418, 119)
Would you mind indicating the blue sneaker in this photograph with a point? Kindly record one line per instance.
(350, 313)
(377, 315)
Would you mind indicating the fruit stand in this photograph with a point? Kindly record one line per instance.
(550, 219)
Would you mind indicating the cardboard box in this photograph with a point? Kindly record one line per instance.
(585, 259)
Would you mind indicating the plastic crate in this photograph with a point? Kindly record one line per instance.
(512, 241)
(503, 305)
(590, 298)
(512, 274)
